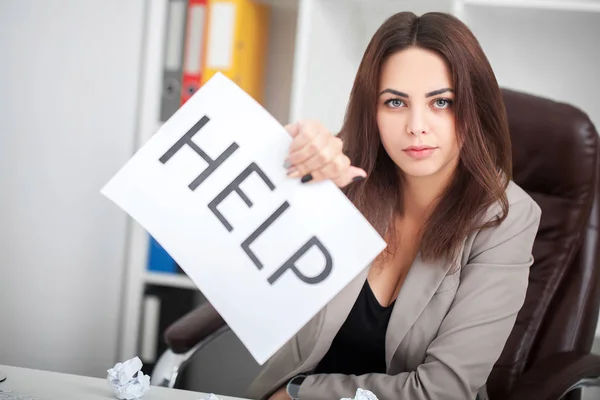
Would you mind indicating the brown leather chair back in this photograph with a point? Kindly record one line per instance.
(555, 159)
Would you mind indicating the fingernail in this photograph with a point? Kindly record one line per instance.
(287, 164)
(358, 178)
(293, 173)
(306, 178)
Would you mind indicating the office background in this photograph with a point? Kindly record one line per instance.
(80, 90)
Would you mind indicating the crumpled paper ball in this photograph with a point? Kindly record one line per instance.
(127, 381)
(362, 394)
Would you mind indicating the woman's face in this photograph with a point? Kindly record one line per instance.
(415, 113)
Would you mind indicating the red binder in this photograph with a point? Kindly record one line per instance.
(195, 39)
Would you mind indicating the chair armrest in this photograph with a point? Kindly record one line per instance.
(185, 338)
(193, 328)
(554, 377)
(167, 369)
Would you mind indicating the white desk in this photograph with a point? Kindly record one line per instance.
(45, 385)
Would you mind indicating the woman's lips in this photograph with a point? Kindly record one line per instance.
(419, 152)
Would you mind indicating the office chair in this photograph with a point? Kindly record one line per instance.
(548, 354)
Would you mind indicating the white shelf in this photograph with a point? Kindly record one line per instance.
(172, 280)
(561, 5)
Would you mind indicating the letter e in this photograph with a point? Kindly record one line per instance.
(234, 186)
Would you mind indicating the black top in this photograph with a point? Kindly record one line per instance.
(359, 346)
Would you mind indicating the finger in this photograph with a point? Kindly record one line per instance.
(332, 170)
(327, 151)
(352, 174)
(306, 133)
(293, 129)
(320, 144)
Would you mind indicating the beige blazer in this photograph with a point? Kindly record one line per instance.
(448, 326)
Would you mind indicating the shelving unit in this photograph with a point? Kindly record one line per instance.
(544, 47)
(172, 280)
(280, 64)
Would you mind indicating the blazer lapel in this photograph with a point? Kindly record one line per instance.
(421, 283)
(336, 312)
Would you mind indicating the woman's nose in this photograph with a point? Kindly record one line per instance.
(416, 124)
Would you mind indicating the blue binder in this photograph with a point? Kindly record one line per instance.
(159, 260)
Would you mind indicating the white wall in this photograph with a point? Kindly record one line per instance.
(68, 94)
(557, 55)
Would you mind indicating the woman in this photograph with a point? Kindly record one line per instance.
(427, 136)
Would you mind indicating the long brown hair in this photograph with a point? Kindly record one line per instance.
(484, 167)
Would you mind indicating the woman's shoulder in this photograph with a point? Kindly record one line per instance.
(521, 220)
(520, 203)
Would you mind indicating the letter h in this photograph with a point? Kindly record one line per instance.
(187, 140)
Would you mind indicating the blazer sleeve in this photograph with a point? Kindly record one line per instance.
(473, 334)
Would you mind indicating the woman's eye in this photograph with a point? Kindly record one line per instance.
(395, 103)
(442, 103)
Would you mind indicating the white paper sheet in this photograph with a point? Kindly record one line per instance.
(180, 199)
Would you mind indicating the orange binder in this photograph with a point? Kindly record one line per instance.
(236, 45)
(194, 48)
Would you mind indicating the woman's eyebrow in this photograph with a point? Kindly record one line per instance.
(402, 94)
(392, 91)
(439, 91)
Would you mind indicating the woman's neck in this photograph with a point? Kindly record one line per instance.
(420, 194)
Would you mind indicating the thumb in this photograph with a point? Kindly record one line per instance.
(293, 129)
(352, 174)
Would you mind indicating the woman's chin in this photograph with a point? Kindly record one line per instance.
(420, 171)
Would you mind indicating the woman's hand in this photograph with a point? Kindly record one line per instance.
(281, 394)
(315, 154)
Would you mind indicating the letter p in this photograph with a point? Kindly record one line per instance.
(291, 264)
